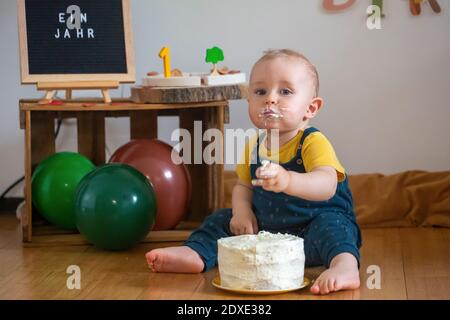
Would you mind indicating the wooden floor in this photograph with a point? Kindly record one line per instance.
(414, 264)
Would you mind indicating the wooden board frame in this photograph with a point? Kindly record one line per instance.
(27, 78)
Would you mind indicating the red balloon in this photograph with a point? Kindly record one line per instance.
(172, 182)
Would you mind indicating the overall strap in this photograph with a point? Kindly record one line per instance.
(306, 133)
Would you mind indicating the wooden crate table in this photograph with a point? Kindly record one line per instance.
(38, 121)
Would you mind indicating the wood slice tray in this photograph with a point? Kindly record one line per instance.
(141, 94)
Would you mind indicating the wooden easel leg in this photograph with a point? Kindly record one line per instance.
(50, 94)
(106, 96)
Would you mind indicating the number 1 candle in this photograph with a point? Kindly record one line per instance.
(165, 55)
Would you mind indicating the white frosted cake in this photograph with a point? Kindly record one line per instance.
(265, 261)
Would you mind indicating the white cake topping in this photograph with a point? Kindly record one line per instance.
(265, 261)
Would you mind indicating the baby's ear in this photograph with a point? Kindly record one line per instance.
(314, 107)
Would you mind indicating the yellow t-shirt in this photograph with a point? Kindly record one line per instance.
(316, 151)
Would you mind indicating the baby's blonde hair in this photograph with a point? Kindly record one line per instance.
(289, 53)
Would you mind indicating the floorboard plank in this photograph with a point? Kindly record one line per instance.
(382, 248)
(427, 262)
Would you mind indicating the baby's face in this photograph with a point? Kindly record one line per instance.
(280, 92)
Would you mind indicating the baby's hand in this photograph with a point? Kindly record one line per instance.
(272, 177)
(243, 222)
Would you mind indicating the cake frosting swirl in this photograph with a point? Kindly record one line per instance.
(265, 261)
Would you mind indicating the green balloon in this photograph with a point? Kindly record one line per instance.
(115, 207)
(54, 183)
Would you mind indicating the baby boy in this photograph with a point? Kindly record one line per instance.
(298, 187)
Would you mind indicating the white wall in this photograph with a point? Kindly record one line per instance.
(387, 91)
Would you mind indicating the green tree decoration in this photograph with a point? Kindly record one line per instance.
(214, 55)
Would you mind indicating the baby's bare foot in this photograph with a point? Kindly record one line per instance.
(174, 259)
(343, 274)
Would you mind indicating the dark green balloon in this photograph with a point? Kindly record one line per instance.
(54, 184)
(115, 207)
